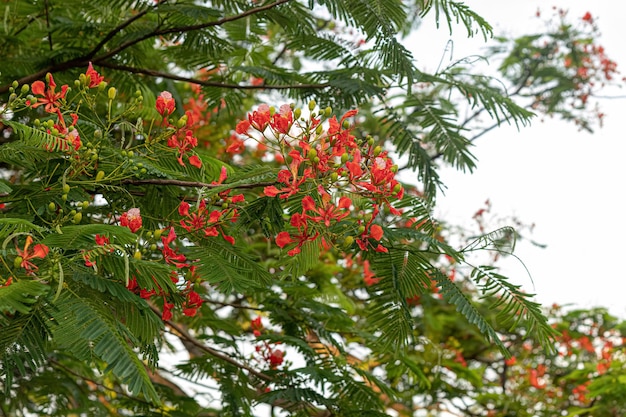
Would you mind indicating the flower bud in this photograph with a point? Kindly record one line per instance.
(15, 84)
(112, 93)
(312, 105)
(297, 113)
(77, 218)
(377, 150)
(328, 111)
(25, 88)
(66, 188)
(17, 262)
(137, 255)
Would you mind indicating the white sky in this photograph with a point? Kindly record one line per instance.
(569, 183)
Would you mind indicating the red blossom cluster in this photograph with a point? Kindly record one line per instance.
(267, 353)
(208, 221)
(323, 158)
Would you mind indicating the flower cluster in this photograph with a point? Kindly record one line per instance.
(325, 162)
(267, 353)
(210, 221)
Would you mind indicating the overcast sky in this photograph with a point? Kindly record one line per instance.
(568, 183)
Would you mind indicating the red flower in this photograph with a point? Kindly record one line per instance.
(38, 251)
(256, 325)
(131, 219)
(368, 276)
(50, 97)
(165, 104)
(588, 18)
(102, 240)
(283, 239)
(183, 145)
(275, 358)
(94, 78)
(192, 304)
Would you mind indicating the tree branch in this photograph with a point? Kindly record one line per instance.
(194, 184)
(84, 60)
(206, 83)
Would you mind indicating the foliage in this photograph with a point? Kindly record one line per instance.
(172, 247)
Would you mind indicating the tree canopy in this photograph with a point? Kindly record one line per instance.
(201, 212)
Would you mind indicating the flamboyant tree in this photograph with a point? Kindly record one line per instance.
(179, 239)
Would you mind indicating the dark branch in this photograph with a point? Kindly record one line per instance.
(194, 184)
(84, 60)
(206, 83)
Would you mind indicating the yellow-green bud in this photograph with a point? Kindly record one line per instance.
(112, 93)
(102, 86)
(66, 188)
(153, 247)
(319, 129)
(272, 110)
(157, 233)
(100, 176)
(52, 206)
(77, 218)
(312, 105)
(25, 88)
(370, 140)
(312, 153)
(64, 197)
(97, 134)
(346, 124)
(348, 241)
(344, 157)
(334, 177)
(297, 113)
(85, 205)
(182, 122)
(328, 111)
(15, 84)
(377, 150)
(137, 255)
(394, 168)
(17, 262)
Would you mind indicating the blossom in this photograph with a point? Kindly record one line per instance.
(131, 219)
(38, 251)
(256, 325)
(165, 103)
(94, 78)
(50, 97)
(368, 276)
(192, 303)
(183, 145)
